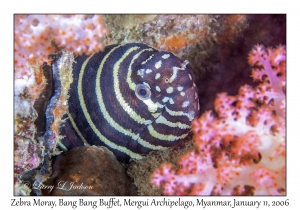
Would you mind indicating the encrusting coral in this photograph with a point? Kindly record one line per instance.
(88, 171)
(141, 170)
(240, 149)
(173, 33)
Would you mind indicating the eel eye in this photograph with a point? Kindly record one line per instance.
(142, 91)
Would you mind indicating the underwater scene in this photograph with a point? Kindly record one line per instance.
(149, 104)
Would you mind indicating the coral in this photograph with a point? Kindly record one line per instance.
(32, 37)
(28, 153)
(77, 33)
(173, 33)
(164, 32)
(141, 170)
(240, 149)
(94, 168)
(33, 33)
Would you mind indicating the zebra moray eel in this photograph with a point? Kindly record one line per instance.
(131, 98)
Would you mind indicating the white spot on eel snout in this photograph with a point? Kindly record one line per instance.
(179, 88)
(157, 88)
(185, 104)
(157, 76)
(165, 56)
(169, 90)
(171, 101)
(158, 64)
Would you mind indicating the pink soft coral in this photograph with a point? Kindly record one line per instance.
(33, 33)
(240, 148)
(77, 33)
(32, 36)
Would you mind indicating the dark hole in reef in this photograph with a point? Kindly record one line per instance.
(257, 160)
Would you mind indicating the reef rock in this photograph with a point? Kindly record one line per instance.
(89, 170)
